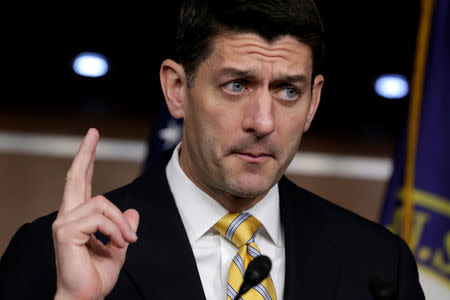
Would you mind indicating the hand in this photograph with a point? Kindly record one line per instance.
(86, 268)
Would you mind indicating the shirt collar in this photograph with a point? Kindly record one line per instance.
(267, 211)
(191, 200)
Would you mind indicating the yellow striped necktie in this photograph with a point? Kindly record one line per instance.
(240, 229)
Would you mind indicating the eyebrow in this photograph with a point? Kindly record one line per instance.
(294, 78)
(233, 72)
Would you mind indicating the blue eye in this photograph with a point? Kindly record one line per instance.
(236, 87)
(290, 93)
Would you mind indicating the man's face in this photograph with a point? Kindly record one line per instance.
(245, 113)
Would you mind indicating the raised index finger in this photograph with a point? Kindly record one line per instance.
(78, 179)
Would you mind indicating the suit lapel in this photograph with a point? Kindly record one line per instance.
(312, 262)
(161, 263)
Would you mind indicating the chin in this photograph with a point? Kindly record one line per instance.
(250, 187)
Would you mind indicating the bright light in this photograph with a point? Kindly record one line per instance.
(392, 86)
(90, 64)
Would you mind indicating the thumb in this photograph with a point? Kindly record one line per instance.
(132, 217)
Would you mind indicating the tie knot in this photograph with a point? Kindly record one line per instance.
(238, 228)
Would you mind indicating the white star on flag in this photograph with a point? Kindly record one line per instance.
(171, 135)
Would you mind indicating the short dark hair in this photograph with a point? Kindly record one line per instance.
(200, 21)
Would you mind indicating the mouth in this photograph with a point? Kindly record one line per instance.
(254, 157)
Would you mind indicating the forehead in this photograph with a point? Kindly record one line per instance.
(250, 51)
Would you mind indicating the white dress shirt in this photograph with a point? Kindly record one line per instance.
(213, 253)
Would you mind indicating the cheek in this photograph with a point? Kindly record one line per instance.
(220, 118)
(212, 126)
(291, 126)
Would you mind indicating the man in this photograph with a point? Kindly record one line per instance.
(246, 83)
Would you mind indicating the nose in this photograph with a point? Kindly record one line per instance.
(259, 114)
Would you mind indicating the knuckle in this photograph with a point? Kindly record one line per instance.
(55, 225)
(99, 202)
(69, 175)
(97, 198)
(98, 218)
(74, 173)
(72, 177)
(103, 204)
(58, 223)
(58, 231)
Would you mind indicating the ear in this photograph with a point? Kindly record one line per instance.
(173, 84)
(315, 99)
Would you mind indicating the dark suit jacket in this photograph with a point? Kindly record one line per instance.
(331, 253)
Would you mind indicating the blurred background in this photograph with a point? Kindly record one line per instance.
(42, 95)
(45, 107)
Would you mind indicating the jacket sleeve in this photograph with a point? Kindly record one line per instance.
(27, 267)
